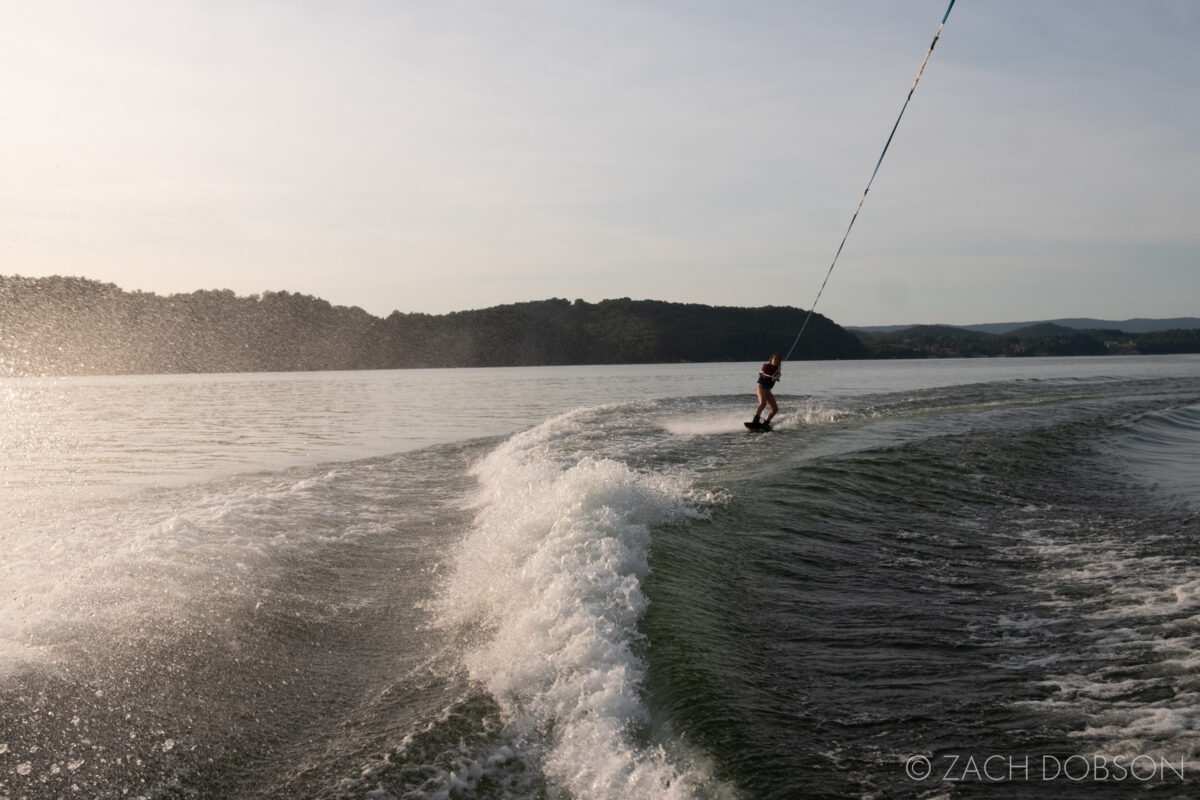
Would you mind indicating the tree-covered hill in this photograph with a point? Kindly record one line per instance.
(1134, 325)
(65, 326)
(1042, 339)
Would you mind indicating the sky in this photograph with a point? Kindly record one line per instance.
(439, 156)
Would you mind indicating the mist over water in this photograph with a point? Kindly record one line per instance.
(598, 584)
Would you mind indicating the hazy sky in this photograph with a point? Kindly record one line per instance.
(451, 154)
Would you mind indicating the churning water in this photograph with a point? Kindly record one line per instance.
(933, 579)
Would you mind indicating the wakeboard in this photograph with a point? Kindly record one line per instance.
(758, 426)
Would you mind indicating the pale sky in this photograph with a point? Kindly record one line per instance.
(453, 154)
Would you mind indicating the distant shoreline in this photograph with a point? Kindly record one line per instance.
(1132, 325)
(77, 326)
(1042, 339)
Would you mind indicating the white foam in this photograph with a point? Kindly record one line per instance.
(810, 412)
(1131, 671)
(551, 572)
(705, 424)
(122, 571)
(815, 412)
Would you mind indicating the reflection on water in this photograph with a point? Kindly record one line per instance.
(96, 436)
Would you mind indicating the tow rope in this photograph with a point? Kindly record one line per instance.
(886, 145)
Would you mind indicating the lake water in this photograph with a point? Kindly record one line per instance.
(593, 582)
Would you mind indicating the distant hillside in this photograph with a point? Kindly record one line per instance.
(1037, 339)
(76, 326)
(1138, 325)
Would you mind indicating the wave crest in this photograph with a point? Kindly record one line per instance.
(550, 580)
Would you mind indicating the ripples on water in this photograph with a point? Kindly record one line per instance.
(337, 586)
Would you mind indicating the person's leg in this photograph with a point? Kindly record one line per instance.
(773, 404)
(763, 394)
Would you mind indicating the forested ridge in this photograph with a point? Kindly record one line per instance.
(1045, 339)
(77, 326)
